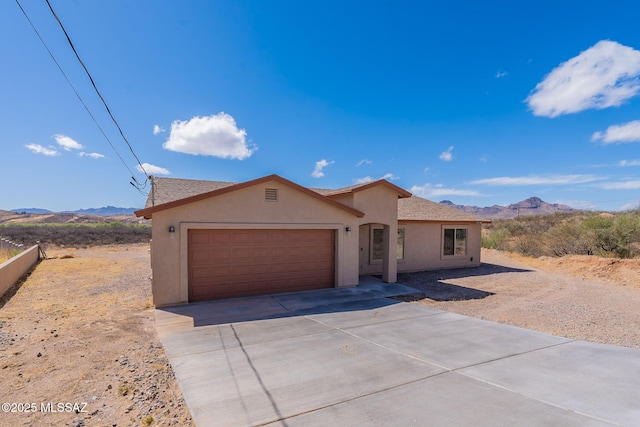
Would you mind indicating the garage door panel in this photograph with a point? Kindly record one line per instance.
(259, 252)
(240, 237)
(228, 263)
(202, 255)
(198, 238)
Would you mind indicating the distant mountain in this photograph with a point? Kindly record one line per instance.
(530, 206)
(31, 211)
(106, 211)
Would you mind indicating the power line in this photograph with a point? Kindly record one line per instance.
(72, 87)
(137, 185)
(94, 86)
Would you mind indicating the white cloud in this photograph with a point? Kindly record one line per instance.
(67, 143)
(577, 204)
(152, 169)
(628, 132)
(363, 162)
(365, 179)
(501, 74)
(602, 76)
(215, 135)
(630, 206)
(438, 190)
(537, 180)
(92, 155)
(627, 163)
(157, 129)
(622, 185)
(39, 149)
(320, 165)
(447, 156)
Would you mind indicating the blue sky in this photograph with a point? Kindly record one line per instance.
(480, 103)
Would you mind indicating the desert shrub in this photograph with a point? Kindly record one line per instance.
(584, 233)
(6, 254)
(495, 239)
(599, 228)
(626, 231)
(567, 238)
(77, 235)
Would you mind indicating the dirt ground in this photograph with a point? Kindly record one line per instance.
(79, 330)
(580, 297)
(78, 346)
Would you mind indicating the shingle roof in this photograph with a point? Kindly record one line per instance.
(416, 208)
(170, 189)
(363, 186)
(171, 192)
(413, 208)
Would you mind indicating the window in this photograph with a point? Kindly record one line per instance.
(454, 241)
(400, 247)
(377, 246)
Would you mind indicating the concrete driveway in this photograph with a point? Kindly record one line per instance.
(356, 357)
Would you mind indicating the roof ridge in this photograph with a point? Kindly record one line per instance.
(416, 208)
(177, 197)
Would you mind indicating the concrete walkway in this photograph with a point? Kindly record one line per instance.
(355, 357)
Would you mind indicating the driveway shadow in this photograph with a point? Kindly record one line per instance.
(434, 286)
(233, 310)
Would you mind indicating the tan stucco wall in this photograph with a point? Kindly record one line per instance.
(423, 248)
(14, 268)
(245, 208)
(381, 206)
(345, 199)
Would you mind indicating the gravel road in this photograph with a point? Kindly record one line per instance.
(585, 298)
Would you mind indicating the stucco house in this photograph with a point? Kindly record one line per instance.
(215, 239)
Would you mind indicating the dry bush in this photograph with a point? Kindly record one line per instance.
(77, 235)
(582, 233)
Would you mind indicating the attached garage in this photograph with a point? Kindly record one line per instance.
(226, 263)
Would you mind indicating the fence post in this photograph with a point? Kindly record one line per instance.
(41, 253)
(5, 243)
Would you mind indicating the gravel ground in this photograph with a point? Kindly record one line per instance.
(585, 298)
(79, 332)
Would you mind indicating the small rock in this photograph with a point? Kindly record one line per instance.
(39, 354)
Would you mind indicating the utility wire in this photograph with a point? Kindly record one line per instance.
(74, 89)
(94, 86)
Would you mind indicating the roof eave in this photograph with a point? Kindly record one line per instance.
(449, 221)
(402, 193)
(147, 213)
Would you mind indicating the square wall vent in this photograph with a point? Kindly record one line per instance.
(271, 194)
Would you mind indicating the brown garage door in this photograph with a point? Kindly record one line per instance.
(232, 263)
